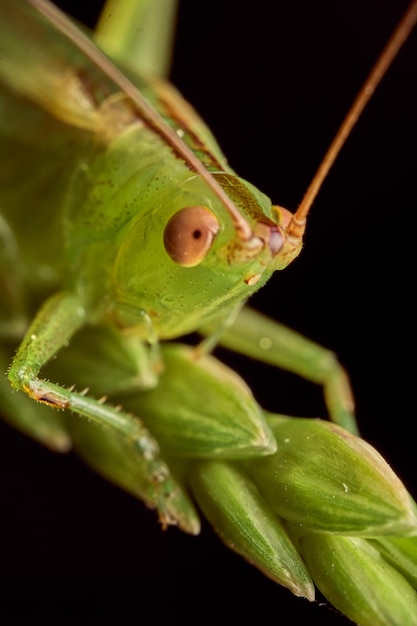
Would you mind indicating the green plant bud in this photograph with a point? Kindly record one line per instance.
(201, 408)
(401, 552)
(354, 577)
(109, 454)
(328, 480)
(106, 361)
(246, 524)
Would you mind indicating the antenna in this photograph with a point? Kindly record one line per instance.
(297, 224)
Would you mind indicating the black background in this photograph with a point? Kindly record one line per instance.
(273, 80)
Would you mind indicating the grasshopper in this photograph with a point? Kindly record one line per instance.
(261, 292)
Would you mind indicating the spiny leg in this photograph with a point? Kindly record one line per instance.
(60, 317)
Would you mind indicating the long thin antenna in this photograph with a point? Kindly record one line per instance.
(297, 225)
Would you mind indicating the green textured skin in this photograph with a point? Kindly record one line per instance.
(104, 187)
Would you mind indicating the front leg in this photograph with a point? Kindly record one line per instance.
(268, 341)
(57, 321)
(61, 316)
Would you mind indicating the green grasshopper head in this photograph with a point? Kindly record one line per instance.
(187, 257)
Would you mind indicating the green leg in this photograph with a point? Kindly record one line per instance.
(268, 341)
(32, 419)
(61, 316)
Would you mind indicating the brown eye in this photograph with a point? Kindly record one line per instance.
(189, 234)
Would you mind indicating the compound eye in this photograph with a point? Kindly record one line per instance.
(189, 235)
